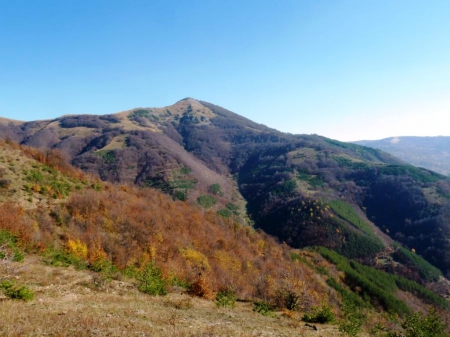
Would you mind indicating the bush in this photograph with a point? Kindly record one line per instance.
(233, 208)
(180, 195)
(9, 242)
(151, 281)
(352, 320)
(418, 325)
(321, 315)
(62, 258)
(5, 183)
(215, 189)
(106, 268)
(262, 308)
(292, 300)
(201, 288)
(206, 201)
(224, 213)
(226, 298)
(15, 292)
(179, 283)
(35, 176)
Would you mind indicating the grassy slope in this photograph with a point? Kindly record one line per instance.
(77, 303)
(30, 183)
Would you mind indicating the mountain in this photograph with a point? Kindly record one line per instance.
(190, 234)
(304, 189)
(432, 153)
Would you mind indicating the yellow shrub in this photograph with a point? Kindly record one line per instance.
(153, 253)
(144, 259)
(78, 248)
(195, 258)
(261, 245)
(227, 262)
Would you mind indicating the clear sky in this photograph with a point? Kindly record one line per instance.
(347, 70)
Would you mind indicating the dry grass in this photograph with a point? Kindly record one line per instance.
(116, 143)
(14, 165)
(178, 109)
(79, 131)
(73, 303)
(7, 121)
(128, 124)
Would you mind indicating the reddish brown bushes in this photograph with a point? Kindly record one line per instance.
(53, 158)
(132, 227)
(12, 220)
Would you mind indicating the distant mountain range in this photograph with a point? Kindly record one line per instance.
(432, 153)
(306, 190)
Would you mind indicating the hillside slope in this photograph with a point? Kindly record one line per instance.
(128, 243)
(81, 303)
(306, 190)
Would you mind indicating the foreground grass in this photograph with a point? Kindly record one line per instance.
(70, 302)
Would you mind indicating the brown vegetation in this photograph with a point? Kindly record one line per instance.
(130, 227)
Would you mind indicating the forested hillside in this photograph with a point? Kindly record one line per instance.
(144, 239)
(109, 228)
(304, 189)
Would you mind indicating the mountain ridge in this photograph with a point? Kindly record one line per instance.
(223, 204)
(195, 150)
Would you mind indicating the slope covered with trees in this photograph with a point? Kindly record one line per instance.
(123, 232)
(304, 189)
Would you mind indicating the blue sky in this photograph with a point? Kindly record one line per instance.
(348, 70)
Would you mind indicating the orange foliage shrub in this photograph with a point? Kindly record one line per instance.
(54, 159)
(12, 220)
(201, 287)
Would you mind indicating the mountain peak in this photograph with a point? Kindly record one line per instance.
(189, 100)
